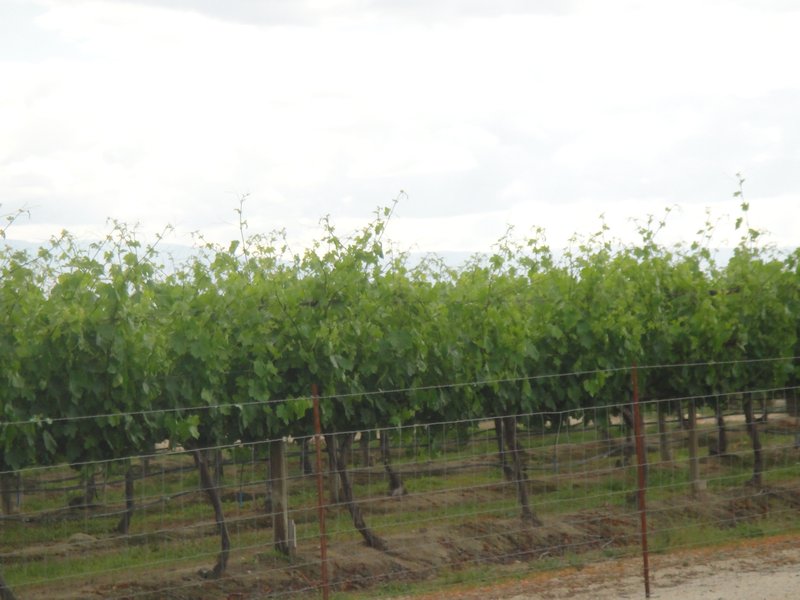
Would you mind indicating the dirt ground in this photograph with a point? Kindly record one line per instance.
(767, 569)
(507, 552)
(504, 551)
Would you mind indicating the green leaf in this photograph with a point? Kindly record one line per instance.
(50, 443)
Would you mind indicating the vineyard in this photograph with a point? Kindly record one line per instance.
(158, 436)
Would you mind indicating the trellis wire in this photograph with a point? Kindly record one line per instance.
(579, 475)
(345, 395)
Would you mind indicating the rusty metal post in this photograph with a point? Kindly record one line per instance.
(323, 538)
(641, 459)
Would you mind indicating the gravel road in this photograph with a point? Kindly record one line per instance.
(764, 569)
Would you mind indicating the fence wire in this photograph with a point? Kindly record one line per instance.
(529, 491)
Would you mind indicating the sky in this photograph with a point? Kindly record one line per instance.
(477, 115)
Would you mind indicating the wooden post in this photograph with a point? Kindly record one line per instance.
(125, 521)
(280, 497)
(694, 465)
(664, 448)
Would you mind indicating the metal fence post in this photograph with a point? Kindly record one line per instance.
(641, 459)
(323, 538)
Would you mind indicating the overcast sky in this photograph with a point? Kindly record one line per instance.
(486, 113)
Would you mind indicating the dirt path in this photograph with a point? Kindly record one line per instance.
(765, 569)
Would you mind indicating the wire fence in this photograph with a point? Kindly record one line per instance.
(384, 508)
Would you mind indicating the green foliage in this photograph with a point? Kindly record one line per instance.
(102, 353)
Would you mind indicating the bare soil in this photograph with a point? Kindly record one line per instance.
(766, 569)
(503, 547)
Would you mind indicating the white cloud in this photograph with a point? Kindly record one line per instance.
(486, 113)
